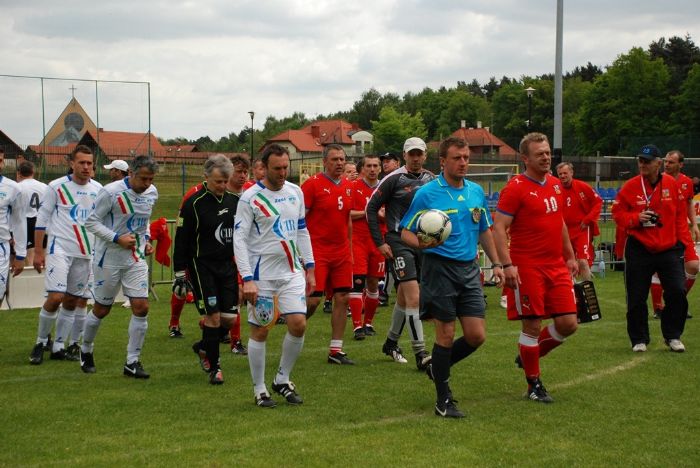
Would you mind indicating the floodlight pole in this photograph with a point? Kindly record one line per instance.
(558, 86)
(252, 131)
(529, 90)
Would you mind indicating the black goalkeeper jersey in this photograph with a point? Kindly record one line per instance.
(205, 229)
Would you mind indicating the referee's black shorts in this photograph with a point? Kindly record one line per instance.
(215, 285)
(450, 289)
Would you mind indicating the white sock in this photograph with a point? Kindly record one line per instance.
(256, 361)
(92, 324)
(64, 324)
(78, 324)
(291, 348)
(415, 328)
(398, 318)
(137, 335)
(46, 321)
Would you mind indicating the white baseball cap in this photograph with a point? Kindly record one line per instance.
(414, 143)
(117, 164)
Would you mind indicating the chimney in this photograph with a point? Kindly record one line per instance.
(315, 131)
(463, 124)
(488, 129)
(478, 124)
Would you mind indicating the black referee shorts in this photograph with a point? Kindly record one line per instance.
(450, 289)
(215, 285)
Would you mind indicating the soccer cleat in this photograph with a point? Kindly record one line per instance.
(73, 352)
(383, 300)
(202, 355)
(519, 361)
(288, 391)
(340, 357)
(87, 363)
(328, 307)
(359, 334)
(537, 392)
(423, 358)
(216, 377)
(37, 355)
(393, 351)
(264, 401)
(689, 316)
(429, 371)
(639, 348)
(448, 409)
(281, 320)
(135, 369)
(369, 330)
(675, 345)
(59, 355)
(657, 313)
(504, 302)
(49, 343)
(238, 348)
(175, 332)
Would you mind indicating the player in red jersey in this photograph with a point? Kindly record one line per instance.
(673, 163)
(581, 210)
(328, 200)
(368, 262)
(539, 263)
(258, 174)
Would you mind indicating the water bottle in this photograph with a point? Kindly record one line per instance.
(601, 268)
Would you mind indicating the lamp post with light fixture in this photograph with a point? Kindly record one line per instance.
(529, 90)
(252, 131)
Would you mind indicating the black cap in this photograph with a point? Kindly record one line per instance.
(649, 152)
(393, 156)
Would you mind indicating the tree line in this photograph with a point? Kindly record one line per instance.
(645, 95)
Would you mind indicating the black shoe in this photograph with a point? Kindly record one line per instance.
(657, 313)
(392, 350)
(383, 300)
(135, 369)
(369, 330)
(216, 377)
(49, 343)
(359, 334)
(264, 401)
(423, 358)
(689, 315)
(281, 321)
(37, 355)
(202, 355)
(340, 358)
(59, 355)
(328, 307)
(537, 392)
(288, 391)
(87, 363)
(238, 348)
(175, 332)
(519, 361)
(73, 352)
(429, 371)
(448, 409)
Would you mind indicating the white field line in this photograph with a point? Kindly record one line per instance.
(625, 366)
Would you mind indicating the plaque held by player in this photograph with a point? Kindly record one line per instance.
(587, 307)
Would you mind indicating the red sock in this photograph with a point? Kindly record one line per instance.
(689, 282)
(176, 305)
(530, 357)
(371, 304)
(235, 330)
(356, 309)
(656, 296)
(547, 342)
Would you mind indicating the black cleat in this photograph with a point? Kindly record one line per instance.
(328, 307)
(657, 314)
(689, 315)
(73, 352)
(216, 377)
(289, 392)
(264, 401)
(391, 349)
(87, 363)
(59, 355)
(238, 348)
(37, 355)
(448, 409)
(429, 371)
(537, 392)
(340, 358)
(423, 358)
(175, 332)
(202, 355)
(369, 330)
(49, 343)
(519, 361)
(135, 369)
(359, 334)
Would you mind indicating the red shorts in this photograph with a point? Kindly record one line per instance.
(333, 274)
(366, 259)
(691, 252)
(581, 242)
(544, 291)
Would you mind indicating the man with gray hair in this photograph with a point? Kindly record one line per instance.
(120, 223)
(204, 248)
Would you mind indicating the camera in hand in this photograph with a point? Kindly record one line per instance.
(653, 220)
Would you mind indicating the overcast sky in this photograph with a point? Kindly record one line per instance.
(210, 62)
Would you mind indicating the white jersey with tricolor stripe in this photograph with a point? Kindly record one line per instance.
(63, 212)
(12, 217)
(118, 211)
(270, 237)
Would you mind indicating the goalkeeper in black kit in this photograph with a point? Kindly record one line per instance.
(204, 249)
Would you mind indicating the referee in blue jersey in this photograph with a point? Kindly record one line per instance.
(450, 275)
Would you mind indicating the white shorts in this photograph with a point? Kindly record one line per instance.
(66, 274)
(278, 297)
(133, 281)
(89, 291)
(4, 267)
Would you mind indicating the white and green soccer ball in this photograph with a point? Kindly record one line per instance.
(434, 224)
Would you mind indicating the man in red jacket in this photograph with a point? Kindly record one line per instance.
(581, 212)
(652, 209)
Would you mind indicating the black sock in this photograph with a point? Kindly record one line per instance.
(460, 350)
(441, 371)
(210, 343)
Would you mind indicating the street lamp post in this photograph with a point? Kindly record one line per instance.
(252, 131)
(529, 90)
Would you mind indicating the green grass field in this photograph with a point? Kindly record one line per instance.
(612, 407)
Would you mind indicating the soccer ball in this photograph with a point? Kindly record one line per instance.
(434, 224)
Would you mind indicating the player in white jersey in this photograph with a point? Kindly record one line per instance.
(67, 204)
(12, 223)
(271, 240)
(120, 223)
(33, 192)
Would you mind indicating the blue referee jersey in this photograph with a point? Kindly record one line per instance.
(468, 212)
